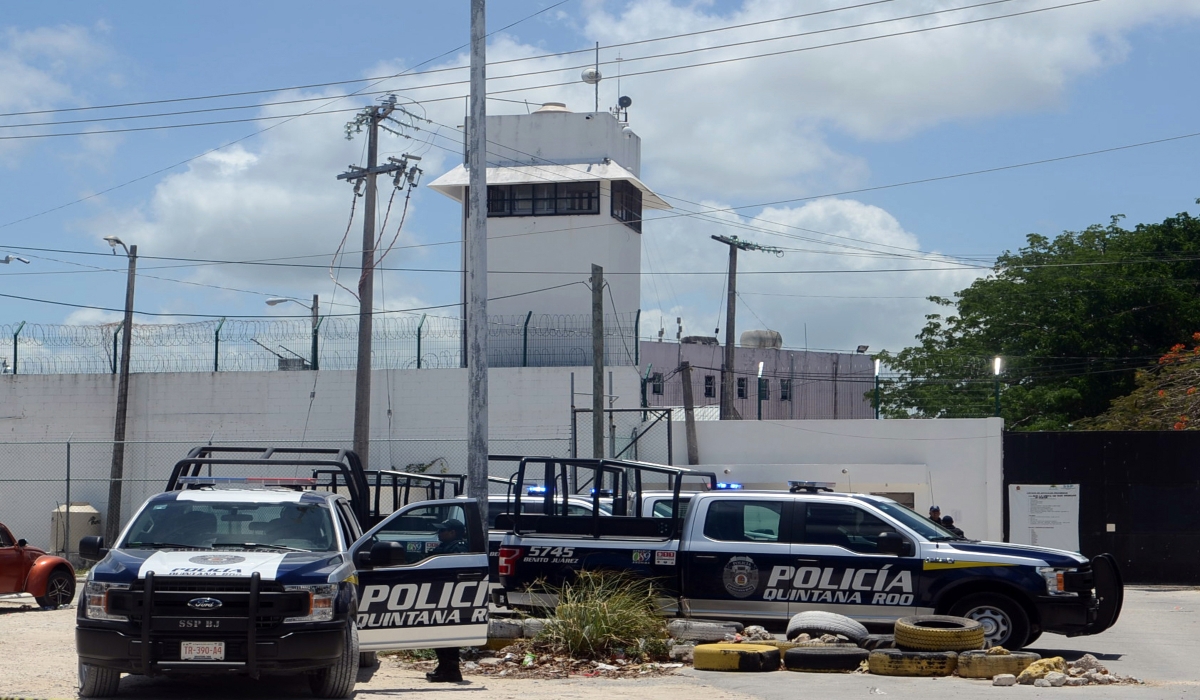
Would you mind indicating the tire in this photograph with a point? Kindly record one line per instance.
(818, 622)
(980, 664)
(938, 633)
(97, 681)
(60, 589)
(1005, 622)
(337, 681)
(702, 630)
(893, 662)
(878, 641)
(367, 659)
(736, 657)
(824, 659)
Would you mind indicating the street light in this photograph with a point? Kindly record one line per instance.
(113, 526)
(316, 321)
(9, 258)
(996, 372)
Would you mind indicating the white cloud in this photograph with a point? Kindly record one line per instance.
(838, 308)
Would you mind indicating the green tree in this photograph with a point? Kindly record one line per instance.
(1166, 397)
(1073, 318)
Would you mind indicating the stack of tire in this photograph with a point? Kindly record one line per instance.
(831, 657)
(939, 645)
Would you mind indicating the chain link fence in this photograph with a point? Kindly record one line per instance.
(220, 345)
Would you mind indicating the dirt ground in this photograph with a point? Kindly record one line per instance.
(1157, 638)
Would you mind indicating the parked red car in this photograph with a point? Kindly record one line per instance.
(24, 569)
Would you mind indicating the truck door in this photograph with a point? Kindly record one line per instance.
(418, 589)
(736, 544)
(838, 566)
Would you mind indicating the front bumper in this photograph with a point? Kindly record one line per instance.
(294, 650)
(1094, 609)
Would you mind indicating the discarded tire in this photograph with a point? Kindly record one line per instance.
(824, 659)
(894, 662)
(816, 623)
(736, 657)
(878, 641)
(702, 630)
(980, 664)
(938, 633)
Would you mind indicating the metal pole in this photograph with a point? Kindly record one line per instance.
(16, 333)
(420, 328)
(525, 341)
(217, 346)
(116, 356)
(67, 527)
(316, 321)
(637, 338)
(574, 433)
(997, 413)
(727, 372)
(612, 424)
(113, 524)
(366, 297)
(597, 362)
(876, 397)
(477, 268)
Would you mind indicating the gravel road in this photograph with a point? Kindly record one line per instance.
(1157, 639)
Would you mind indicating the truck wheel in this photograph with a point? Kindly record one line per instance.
(337, 681)
(367, 659)
(938, 633)
(1005, 623)
(817, 622)
(97, 681)
(60, 590)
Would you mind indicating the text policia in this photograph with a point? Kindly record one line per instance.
(412, 605)
(861, 586)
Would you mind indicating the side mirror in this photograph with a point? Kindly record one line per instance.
(92, 548)
(388, 554)
(22, 542)
(894, 543)
(362, 558)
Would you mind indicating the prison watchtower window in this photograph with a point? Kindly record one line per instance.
(741, 387)
(544, 199)
(656, 384)
(710, 386)
(627, 204)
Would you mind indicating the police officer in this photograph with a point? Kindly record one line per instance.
(451, 540)
(935, 514)
(948, 523)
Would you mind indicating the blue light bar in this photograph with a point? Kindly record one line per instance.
(533, 490)
(727, 486)
(603, 492)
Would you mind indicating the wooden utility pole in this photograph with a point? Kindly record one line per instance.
(689, 414)
(477, 269)
(728, 371)
(369, 117)
(597, 362)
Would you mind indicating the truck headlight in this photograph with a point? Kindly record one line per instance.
(95, 595)
(1055, 584)
(320, 602)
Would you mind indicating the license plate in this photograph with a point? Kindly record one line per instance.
(202, 651)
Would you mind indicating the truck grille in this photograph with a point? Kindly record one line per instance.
(171, 596)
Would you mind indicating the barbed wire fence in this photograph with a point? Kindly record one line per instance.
(239, 345)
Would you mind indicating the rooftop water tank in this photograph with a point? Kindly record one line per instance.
(770, 340)
(67, 527)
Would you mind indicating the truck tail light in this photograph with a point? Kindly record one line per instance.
(508, 560)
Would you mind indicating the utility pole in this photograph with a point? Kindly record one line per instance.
(597, 362)
(477, 269)
(112, 528)
(727, 368)
(369, 117)
(689, 414)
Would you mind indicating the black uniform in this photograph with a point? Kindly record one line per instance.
(448, 658)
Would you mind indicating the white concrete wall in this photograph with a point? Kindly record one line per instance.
(170, 413)
(956, 464)
(562, 138)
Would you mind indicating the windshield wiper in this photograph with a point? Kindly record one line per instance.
(157, 545)
(257, 545)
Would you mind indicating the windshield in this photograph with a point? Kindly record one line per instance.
(233, 525)
(923, 526)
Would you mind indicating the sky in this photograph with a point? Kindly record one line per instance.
(808, 150)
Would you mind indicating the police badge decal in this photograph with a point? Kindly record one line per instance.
(741, 577)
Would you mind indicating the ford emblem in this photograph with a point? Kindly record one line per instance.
(204, 603)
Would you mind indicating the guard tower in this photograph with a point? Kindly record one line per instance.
(563, 193)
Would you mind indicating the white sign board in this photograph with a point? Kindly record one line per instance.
(1044, 515)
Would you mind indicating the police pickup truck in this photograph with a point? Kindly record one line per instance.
(250, 574)
(767, 555)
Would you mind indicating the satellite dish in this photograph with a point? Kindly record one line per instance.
(591, 76)
(624, 102)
